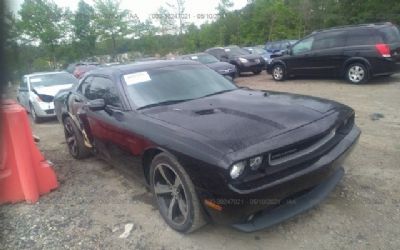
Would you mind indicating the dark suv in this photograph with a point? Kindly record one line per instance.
(242, 59)
(354, 52)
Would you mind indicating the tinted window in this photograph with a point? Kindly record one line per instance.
(174, 83)
(329, 40)
(84, 85)
(103, 88)
(361, 37)
(303, 46)
(390, 34)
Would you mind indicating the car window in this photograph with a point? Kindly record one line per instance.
(329, 40)
(390, 34)
(303, 46)
(103, 88)
(362, 37)
(24, 83)
(84, 85)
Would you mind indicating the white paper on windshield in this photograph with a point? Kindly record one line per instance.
(35, 80)
(227, 50)
(194, 58)
(137, 78)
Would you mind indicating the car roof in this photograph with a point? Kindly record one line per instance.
(45, 73)
(140, 66)
(195, 54)
(355, 26)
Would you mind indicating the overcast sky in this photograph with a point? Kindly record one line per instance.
(144, 8)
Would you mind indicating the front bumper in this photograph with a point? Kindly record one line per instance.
(262, 207)
(44, 109)
(250, 67)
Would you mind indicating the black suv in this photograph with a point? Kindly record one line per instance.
(242, 59)
(353, 52)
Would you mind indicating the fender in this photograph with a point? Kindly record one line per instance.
(276, 61)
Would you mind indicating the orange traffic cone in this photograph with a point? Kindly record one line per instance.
(24, 172)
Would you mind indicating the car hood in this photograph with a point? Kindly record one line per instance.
(240, 118)
(220, 66)
(51, 90)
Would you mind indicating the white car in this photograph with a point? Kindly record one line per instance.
(36, 92)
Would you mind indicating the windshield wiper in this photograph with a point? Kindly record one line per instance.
(169, 102)
(217, 93)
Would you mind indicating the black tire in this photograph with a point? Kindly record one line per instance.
(237, 73)
(33, 114)
(175, 196)
(257, 72)
(278, 72)
(74, 139)
(357, 73)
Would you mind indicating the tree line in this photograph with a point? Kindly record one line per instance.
(44, 36)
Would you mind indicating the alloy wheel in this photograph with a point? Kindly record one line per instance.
(356, 74)
(170, 194)
(70, 138)
(278, 73)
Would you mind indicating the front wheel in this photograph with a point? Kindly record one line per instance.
(357, 73)
(175, 194)
(75, 141)
(278, 72)
(32, 112)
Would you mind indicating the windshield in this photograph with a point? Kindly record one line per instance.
(236, 51)
(52, 80)
(258, 51)
(204, 58)
(174, 83)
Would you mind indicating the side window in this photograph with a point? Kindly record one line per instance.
(329, 40)
(303, 46)
(24, 83)
(361, 37)
(103, 88)
(84, 85)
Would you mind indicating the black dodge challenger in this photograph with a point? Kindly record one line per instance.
(207, 149)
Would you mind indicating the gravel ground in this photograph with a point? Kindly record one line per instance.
(95, 202)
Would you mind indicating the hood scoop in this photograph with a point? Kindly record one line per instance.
(206, 111)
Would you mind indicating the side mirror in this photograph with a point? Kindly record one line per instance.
(97, 104)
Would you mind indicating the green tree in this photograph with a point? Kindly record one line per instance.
(84, 28)
(112, 22)
(44, 22)
(165, 21)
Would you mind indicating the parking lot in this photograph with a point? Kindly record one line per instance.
(95, 201)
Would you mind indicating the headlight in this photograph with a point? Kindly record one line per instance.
(255, 162)
(243, 60)
(237, 169)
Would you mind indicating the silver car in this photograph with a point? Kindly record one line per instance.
(36, 92)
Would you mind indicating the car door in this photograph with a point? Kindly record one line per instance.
(23, 93)
(327, 53)
(300, 61)
(108, 126)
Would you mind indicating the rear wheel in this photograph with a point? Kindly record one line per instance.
(357, 73)
(74, 139)
(278, 72)
(175, 194)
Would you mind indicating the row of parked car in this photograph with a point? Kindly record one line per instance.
(355, 53)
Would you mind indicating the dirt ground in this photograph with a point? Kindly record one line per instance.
(95, 201)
